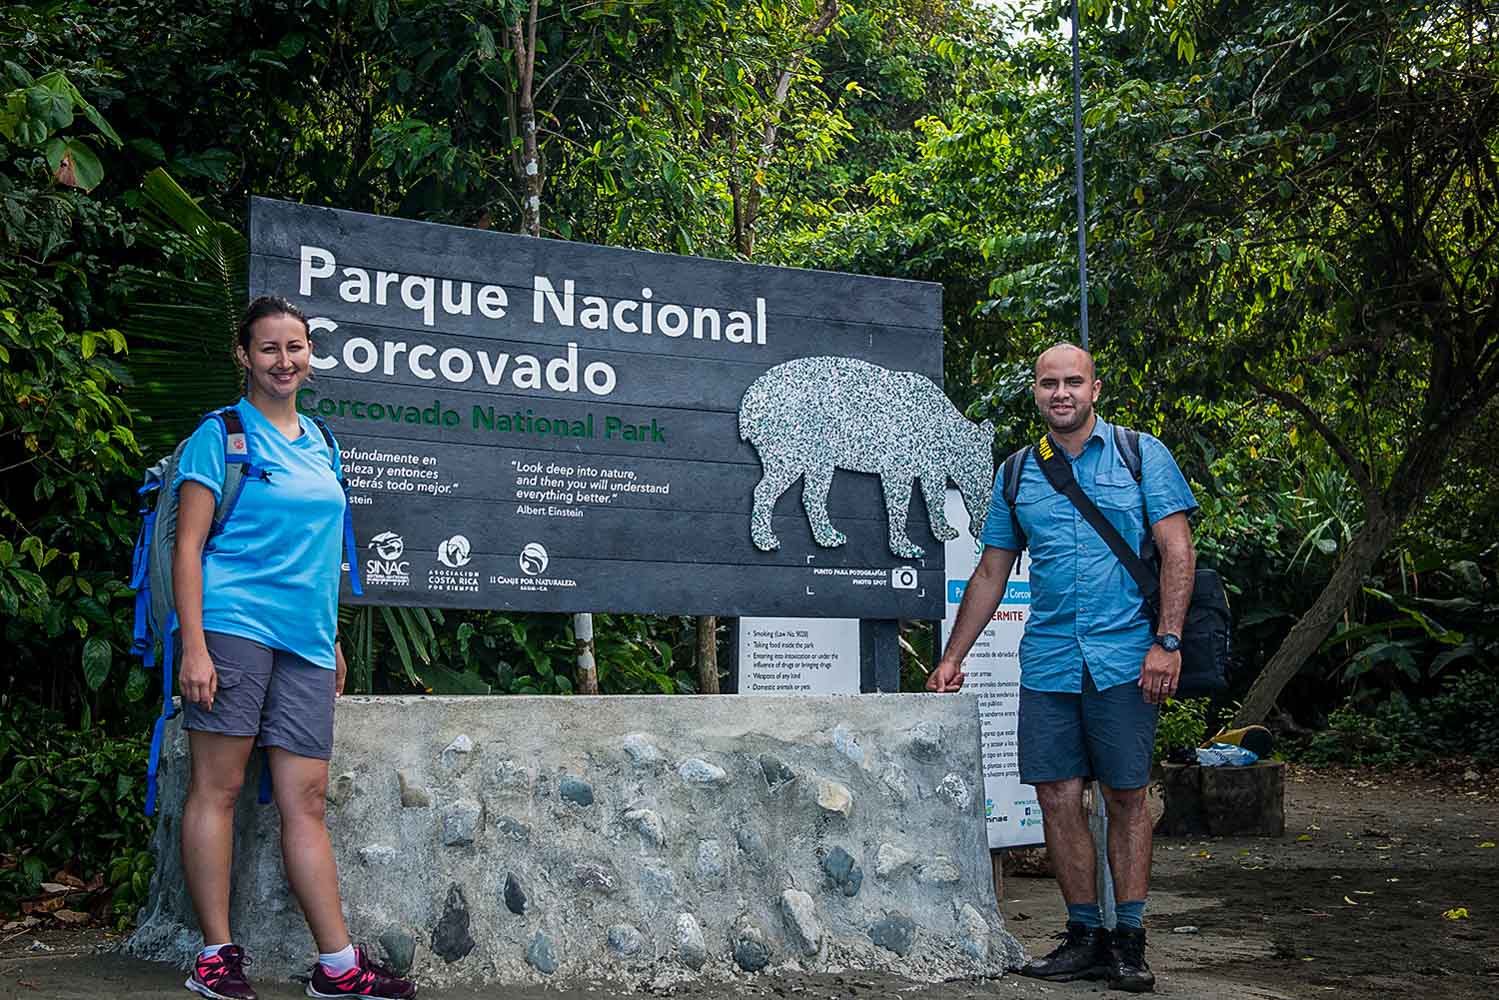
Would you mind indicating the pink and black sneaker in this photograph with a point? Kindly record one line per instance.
(222, 975)
(366, 979)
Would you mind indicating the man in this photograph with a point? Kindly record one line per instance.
(1092, 672)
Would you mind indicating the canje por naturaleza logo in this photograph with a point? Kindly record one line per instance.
(455, 552)
(533, 559)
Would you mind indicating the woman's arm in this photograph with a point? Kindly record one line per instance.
(197, 678)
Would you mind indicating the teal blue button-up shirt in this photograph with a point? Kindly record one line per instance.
(1085, 607)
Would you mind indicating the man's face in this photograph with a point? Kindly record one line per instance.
(1066, 389)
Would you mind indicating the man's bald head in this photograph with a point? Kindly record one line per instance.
(1056, 350)
(1066, 388)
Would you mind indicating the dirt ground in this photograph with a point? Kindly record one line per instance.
(1364, 897)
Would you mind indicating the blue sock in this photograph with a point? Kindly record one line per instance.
(1131, 914)
(1087, 914)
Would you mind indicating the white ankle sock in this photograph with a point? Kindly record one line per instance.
(210, 950)
(338, 962)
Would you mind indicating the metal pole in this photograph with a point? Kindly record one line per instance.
(1099, 822)
(1077, 147)
(1098, 825)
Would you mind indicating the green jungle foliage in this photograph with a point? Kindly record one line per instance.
(1291, 225)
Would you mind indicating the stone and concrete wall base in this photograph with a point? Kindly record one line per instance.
(507, 840)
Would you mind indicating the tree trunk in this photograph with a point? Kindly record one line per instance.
(588, 675)
(523, 41)
(707, 654)
(1312, 628)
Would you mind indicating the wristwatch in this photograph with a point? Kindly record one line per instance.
(1169, 642)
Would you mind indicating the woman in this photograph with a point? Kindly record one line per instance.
(259, 661)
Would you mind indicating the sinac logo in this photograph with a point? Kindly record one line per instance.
(455, 552)
(388, 545)
(533, 559)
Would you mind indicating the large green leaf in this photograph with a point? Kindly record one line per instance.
(183, 325)
(97, 657)
(87, 170)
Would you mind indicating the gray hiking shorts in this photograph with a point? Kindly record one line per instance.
(265, 692)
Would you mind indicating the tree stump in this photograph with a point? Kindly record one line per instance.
(1223, 801)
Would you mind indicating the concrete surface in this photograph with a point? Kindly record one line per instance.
(643, 839)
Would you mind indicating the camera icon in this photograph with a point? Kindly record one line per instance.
(903, 578)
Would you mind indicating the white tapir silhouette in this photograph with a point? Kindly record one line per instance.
(810, 416)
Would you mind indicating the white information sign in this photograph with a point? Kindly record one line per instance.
(798, 656)
(992, 669)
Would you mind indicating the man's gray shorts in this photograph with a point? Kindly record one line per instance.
(265, 692)
(1108, 735)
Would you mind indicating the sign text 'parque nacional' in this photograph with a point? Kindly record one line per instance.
(551, 426)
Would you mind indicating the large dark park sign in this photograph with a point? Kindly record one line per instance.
(553, 426)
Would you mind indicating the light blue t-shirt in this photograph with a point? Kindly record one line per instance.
(1085, 607)
(271, 575)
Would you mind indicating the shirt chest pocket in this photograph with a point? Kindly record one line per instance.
(1116, 493)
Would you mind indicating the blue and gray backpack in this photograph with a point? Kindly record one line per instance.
(151, 566)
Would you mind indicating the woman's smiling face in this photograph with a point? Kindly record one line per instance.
(279, 356)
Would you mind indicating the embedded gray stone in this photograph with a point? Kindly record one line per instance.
(895, 932)
(710, 861)
(751, 953)
(460, 822)
(576, 790)
(512, 778)
(889, 860)
(844, 873)
(450, 938)
(413, 796)
(897, 783)
(341, 789)
(696, 771)
(625, 940)
(847, 744)
(834, 797)
(641, 750)
(541, 955)
(940, 871)
(514, 829)
(400, 951)
(956, 791)
(378, 854)
(926, 740)
(783, 413)
(461, 744)
(595, 876)
(658, 884)
(516, 899)
(688, 938)
(801, 919)
(648, 824)
(776, 771)
(751, 843)
(973, 933)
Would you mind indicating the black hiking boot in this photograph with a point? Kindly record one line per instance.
(1083, 954)
(1128, 970)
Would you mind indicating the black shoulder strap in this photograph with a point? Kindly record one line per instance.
(1127, 441)
(1058, 472)
(1010, 484)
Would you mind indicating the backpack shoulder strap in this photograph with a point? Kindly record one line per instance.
(1013, 466)
(351, 552)
(1127, 441)
(237, 463)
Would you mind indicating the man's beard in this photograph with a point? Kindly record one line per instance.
(1080, 414)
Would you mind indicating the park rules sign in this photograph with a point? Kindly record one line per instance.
(550, 426)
